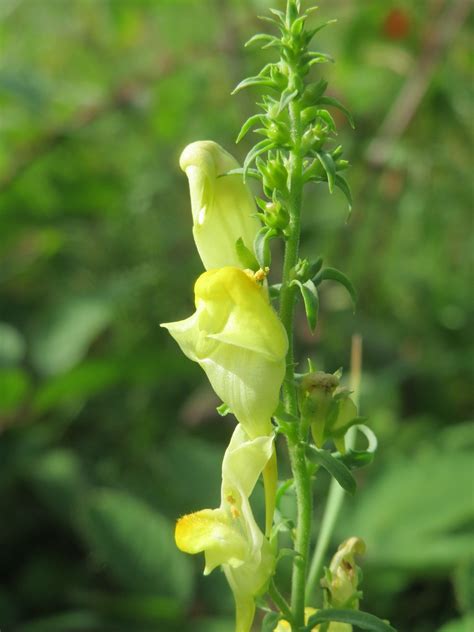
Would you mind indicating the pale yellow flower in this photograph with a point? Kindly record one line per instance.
(229, 535)
(222, 205)
(239, 341)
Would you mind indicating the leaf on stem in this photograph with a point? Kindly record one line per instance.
(363, 620)
(341, 184)
(310, 295)
(247, 126)
(331, 274)
(246, 257)
(336, 468)
(329, 167)
(262, 246)
(325, 100)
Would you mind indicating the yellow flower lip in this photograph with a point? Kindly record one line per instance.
(239, 341)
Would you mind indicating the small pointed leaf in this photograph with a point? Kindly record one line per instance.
(335, 467)
(329, 167)
(325, 100)
(247, 126)
(362, 620)
(246, 257)
(331, 274)
(341, 184)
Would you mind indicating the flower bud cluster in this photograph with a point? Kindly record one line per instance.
(291, 93)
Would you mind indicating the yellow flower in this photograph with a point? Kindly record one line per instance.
(241, 344)
(284, 626)
(239, 341)
(222, 205)
(229, 535)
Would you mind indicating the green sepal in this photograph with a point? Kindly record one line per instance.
(329, 167)
(363, 620)
(327, 118)
(314, 92)
(325, 100)
(246, 256)
(251, 173)
(247, 126)
(223, 410)
(336, 468)
(310, 295)
(262, 246)
(331, 274)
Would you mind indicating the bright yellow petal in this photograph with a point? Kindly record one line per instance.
(211, 531)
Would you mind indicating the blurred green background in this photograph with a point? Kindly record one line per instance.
(108, 433)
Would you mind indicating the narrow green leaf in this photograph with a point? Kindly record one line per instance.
(262, 246)
(331, 274)
(286, 97)
(355, 459)
(259, 148)
(246, 256)
(363, 620)
(329, 167)
(325, 100)
(341, 184)
(336, 468)
(261, 37)
(252, 173)
(254, 81)
(247, 126)
(310, 34)
(327, 118)
(310, 295)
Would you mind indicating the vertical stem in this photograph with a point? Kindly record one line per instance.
(296, 448)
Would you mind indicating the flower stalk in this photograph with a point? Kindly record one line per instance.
(246, 347)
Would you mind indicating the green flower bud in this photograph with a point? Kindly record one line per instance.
(316, 401)
(341, 581)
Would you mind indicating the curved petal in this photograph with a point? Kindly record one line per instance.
(222, 205)
(211, 531)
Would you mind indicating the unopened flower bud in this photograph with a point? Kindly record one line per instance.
(341, 581)
(316, 400)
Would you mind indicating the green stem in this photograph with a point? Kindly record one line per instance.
(280, 601)
(296, 448)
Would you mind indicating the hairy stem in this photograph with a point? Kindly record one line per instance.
(296, 448)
